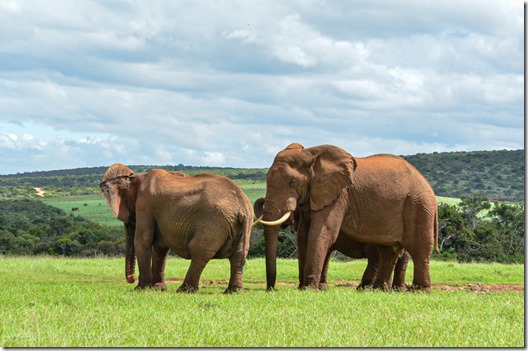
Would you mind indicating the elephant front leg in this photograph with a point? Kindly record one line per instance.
(322, 235)
(143, 246)
(159, 259)
(302, 238)
(145, 268)
(323, 283)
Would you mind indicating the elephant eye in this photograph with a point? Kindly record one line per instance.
(292, 184)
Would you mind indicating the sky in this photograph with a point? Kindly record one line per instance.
(229, 84)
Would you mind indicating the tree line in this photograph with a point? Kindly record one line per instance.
(30, 227)
(474, 230)
(495, 174)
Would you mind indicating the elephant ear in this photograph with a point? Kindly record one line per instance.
(258, 207)
(331, 172)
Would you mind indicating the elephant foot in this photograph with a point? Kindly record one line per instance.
(323, 286)
(311, 287)
(187, 289)
(159, 287)
(420, 288)
(399, 287)
(140, 287)
(363, 287)
(382, 287)
(233, 290)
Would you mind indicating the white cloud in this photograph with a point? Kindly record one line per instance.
(203, 82)
(213, 158)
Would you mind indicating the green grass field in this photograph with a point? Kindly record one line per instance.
(447, 200)
(92, 207)
(53, 302)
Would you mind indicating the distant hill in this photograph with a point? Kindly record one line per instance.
(495, 174)
(85, 181)
(499, 175)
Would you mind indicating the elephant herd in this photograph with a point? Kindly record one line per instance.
(378, 207)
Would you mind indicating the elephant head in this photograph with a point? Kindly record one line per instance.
(120, 193)
(305, 179)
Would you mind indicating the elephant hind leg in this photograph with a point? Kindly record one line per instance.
(422, 279)
(192, 278)
(373, 262)
(421, 257)
(237, 262)
(238, 258)
(400, 270)
(204, 245)
(388, 259)
(419, 241)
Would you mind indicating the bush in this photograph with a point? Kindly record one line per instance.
(31, 227)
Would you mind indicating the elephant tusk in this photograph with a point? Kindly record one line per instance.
(257, 221)
(278, 221)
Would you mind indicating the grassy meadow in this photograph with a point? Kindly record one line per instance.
(54, 302)
(92, 207)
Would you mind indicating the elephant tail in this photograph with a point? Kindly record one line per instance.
(436, 232)
(245, 233)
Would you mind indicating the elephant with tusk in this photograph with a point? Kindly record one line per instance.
(380, 199)
(374, 253)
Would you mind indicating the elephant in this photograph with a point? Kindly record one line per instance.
(380, 199)
(357, 250)
(199, 218)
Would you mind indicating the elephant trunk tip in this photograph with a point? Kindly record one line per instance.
(131, 278)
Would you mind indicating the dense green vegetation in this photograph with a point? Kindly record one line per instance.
(470, 229)
(476, 230)
(85, 181)
(495, 174)
(29, 227)
(54, 302)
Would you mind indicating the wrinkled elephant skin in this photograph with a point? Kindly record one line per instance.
(380, 199)
(372, 277)
(199, 218)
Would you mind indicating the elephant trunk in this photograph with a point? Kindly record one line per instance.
(271, 236)
(130, 253)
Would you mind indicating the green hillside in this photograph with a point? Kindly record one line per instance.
(470, 227)
(494, 174)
